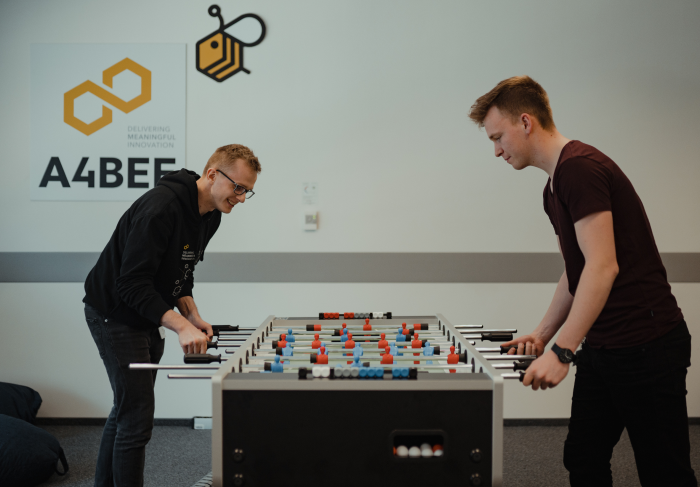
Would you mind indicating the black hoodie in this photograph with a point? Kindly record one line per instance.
(149, 261)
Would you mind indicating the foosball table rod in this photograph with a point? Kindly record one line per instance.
(186, 376)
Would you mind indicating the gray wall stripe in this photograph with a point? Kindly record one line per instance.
(336, 267)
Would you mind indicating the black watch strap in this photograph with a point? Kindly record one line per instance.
(565, 355)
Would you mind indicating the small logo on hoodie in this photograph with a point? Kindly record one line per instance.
(188, 254)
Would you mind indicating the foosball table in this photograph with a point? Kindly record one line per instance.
(348, 399)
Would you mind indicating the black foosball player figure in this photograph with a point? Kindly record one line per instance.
(614, 292)
(145, 270)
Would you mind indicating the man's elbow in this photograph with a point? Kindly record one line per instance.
(605, 269)
(609, 270)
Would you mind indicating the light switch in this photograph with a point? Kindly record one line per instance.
(310, 221)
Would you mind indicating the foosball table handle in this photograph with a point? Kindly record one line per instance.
(201, 358)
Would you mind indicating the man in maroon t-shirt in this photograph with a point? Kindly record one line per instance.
(613, 296)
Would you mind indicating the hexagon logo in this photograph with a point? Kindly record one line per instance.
(108, 75)
(220, 54)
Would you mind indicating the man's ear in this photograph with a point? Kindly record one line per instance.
(526, 120)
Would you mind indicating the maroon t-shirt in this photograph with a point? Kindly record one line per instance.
(640, 307)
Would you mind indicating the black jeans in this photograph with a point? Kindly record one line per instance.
(642, 389)
(122, 453)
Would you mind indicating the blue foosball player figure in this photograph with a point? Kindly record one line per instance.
(288, 351)
(277, 366)
(290, 337)
(400, 337)
(428, 351)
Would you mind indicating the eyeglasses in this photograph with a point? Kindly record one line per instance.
(239, 189)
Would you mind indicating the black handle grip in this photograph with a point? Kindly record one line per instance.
(522, 365)
(497, 337)
(201, 358)
(212, 345)
(507, 349)
(224, 327)
(522, 376)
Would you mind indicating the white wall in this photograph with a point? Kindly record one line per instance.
(369, 99)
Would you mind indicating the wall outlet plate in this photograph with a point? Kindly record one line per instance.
(202, 423)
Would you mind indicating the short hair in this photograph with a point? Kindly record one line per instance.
(227, 155)
(515, 96)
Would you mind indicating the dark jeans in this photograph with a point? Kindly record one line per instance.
(642, 389)
(122, 454)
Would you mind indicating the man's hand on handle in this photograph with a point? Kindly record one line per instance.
(203, 326)
(546, 371)
(527, 345)
(192, 340)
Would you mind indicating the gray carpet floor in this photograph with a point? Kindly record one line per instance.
(178, 456)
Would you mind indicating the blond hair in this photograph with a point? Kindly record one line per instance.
(225, 157)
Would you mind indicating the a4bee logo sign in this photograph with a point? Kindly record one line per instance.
(107, 120)
(220, 54)
(108, 75)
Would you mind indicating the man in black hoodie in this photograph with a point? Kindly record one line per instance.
(145, 270)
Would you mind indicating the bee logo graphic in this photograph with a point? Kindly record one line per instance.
(220, 54)
(187, 246)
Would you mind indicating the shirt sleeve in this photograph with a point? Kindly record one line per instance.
(584, 186)
(144, 249)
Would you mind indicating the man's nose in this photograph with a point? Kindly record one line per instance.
(241, 197)
(498, 150)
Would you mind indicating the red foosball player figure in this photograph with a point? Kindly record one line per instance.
(452, 358)
(416, 343)
(387, 358)
(316, 343)
(367, 326)
(283, 340)
(405, 330)
(350, 343)
(383, 343)
(322, 358)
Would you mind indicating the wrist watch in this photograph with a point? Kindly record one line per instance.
(565, 355)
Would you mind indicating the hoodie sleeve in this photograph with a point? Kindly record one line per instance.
(147, 242)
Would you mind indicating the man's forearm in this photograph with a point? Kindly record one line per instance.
(557, 312)
(187, 308)
(591, 295)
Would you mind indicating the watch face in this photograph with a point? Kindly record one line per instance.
(568, 355)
